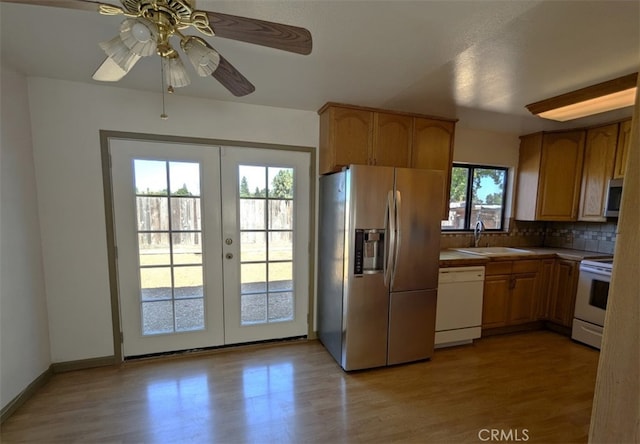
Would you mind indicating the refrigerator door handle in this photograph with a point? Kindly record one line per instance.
(389, 229)
(397, 235)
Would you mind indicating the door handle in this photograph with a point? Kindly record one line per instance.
(229, 255)
(398, 234)
(389, 229)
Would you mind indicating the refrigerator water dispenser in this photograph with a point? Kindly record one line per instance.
(369, 251)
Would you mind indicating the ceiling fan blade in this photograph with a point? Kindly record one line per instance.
(231, 79)
(83, 5)
(260, 32)
(109, 71)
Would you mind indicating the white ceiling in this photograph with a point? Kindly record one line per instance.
(478, 61)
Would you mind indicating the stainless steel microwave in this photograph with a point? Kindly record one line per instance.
(614, 196)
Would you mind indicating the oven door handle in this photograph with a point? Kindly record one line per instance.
(591, 331)
(596, 272)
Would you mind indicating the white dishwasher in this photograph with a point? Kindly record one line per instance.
(459, 307)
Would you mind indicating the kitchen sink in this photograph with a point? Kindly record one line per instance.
(494, 251)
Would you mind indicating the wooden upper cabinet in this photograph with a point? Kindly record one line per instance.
(367, 136)
(391, 139)
(433, 149)
(345, 137)
(599, 155)
(549, 176)
(622, 150)
(528, 176)
(560, 175)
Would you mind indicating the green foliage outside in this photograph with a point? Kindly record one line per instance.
(459, 179)
(281, 187)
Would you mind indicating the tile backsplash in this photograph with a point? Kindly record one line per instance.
(586, 236)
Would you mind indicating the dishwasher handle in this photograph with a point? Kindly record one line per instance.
(461, 274)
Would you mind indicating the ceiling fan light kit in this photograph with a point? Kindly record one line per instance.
(205, 60)
(119, 53)
(175, 73)
(139, 36)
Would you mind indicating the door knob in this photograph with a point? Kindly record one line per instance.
(229, 256)
(228, 241)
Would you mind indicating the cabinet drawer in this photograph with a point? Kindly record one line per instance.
(526, 266)
(495, 268)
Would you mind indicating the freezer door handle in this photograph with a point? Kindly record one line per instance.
(397, 235)
(390, 240)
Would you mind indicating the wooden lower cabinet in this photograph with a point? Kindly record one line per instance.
(523, 291)
(545, 282)
(510, 293)
(522, 303)
(562, 298)
(494, 300)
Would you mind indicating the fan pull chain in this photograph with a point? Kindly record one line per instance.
(164, 115)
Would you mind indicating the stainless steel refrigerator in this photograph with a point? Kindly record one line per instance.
(379, 246)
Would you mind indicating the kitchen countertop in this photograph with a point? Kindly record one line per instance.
(453, 258)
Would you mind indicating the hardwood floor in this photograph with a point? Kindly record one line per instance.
(534, 387)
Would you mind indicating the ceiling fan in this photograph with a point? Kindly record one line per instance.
(150, 25)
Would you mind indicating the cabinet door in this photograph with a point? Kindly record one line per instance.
(622, 151)
(545, 277)
(495, 299)
(391, 139)
(563, 293)
(432, 148)
(599, 154)
(345, 138)
(522, 300)
(528, 176)
(560, 176)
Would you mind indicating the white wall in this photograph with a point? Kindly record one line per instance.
(66, 118)
(485, 147)
(24, 332)
(489, 148)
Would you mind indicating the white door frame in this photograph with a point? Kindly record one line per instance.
(106, 136)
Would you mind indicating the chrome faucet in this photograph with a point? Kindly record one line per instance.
(477, 232)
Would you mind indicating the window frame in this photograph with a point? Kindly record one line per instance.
(471, 167)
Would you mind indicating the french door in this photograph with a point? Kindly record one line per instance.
(203, 259)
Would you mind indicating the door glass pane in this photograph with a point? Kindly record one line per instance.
(157, 317)
(187, 282)
(280, 214)
(189, 315)
(280, 245)
(253, 309)
(150, 177)
(187, 248)
(153, 213)
(153, 249)
(266, 244)
(170, 235)
(184, 178)
(253, 278)
(253, 246)
(251, 214)
(281, 307)
(280, 276)
(155, 283)
(185, 214)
